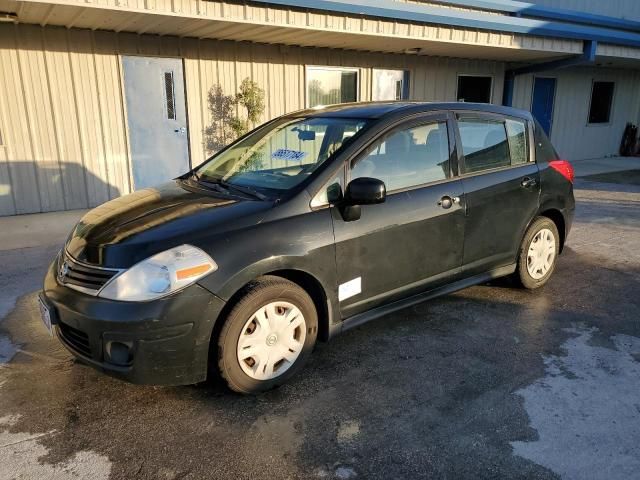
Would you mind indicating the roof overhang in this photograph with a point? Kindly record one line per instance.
(268, 23)
(366, 25)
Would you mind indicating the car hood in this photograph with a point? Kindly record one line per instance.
(133, 227)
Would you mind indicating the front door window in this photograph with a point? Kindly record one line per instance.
(408, 157)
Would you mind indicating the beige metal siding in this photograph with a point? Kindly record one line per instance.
(63, 129)
(63, 121)
(571, 134)
(628, 9)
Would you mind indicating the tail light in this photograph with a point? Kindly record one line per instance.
(564, 168)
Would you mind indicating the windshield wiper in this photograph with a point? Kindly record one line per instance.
(226, 187)
(243, 189)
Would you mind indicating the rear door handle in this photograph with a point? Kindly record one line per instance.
(447, 201)
(528, 182)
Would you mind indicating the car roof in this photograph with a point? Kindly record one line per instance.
(377, 110)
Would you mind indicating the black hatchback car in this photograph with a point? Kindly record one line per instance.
(309, 225)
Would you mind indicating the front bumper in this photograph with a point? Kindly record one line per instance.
(161, 342)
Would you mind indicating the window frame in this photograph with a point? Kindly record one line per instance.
(474, 115)
(406, 124)
(611, 105)
(333, 68)
(483, 75)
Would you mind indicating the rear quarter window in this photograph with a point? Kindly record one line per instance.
(518, 141)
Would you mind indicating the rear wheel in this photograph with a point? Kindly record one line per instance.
(538, 253)
(267, 336)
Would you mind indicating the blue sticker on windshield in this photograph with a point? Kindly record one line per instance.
(284, 154)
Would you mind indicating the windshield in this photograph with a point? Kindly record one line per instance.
(281, 155)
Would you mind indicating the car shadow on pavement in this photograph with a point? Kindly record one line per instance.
(430, 391)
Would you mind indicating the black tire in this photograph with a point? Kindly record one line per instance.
(259, 293)
(522, 275)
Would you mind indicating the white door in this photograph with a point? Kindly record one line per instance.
(157, 119)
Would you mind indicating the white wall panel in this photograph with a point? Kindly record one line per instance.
(570, 133)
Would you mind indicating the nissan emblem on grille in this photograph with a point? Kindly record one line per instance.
(63, 270)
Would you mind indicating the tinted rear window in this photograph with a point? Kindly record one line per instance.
(484, 144)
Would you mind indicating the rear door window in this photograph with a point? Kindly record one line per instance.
(489, 143)
(408, 157)
(484, 144)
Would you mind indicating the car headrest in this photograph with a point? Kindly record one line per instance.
(435, 137)
(397, 143)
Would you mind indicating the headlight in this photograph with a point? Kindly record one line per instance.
(160, 275)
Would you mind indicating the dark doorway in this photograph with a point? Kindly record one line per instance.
(474, 89)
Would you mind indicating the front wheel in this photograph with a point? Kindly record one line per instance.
(267, 336)
(538, 253)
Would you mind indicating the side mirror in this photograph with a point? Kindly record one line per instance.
(365, 191)
(361, 191)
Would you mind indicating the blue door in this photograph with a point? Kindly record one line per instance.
(157, 119)
(544, 92)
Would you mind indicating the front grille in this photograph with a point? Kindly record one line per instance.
(83, 277)
(75, 338)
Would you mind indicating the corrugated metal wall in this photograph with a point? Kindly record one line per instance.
(628, 9)
(62, 119)
(570, 133)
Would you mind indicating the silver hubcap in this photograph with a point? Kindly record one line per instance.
(271, 340)
(541, 254)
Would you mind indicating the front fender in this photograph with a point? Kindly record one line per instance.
(302, 243)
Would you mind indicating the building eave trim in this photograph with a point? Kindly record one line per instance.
(393, 10)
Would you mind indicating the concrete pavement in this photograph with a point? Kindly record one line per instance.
(492, 382)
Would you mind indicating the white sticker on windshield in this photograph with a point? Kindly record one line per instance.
(349, 289)
(284, 154)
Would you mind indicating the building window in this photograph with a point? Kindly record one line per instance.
(330, 85)
(390, 85)
(169, 95)
(472, 88)
(601, 101)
